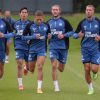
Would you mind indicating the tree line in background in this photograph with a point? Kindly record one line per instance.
(79, 5)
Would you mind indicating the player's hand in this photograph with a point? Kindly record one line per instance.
(60, 36)
(37, 36)
(97, 38)
(80, 34)
(49, 36)
(1, 35)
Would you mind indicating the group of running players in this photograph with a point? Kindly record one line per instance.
(31, 39)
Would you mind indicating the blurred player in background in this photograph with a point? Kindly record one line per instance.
(11, 21)
(4, 28)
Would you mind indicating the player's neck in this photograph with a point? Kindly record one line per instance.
(23, 19)
(56, 17)
(90, 18)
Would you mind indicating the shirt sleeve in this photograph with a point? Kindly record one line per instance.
(68, 26)
(27, 30)
(79, 27)
(8, 26)
(48, 31)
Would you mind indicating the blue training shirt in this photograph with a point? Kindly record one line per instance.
(61, 26)
(90, 28)
(19, 27)
(4, 28)
(37, 45)
(10, 20)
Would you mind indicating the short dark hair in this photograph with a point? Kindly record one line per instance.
(39, 13)
(23, 9)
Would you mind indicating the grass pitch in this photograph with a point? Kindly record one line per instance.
(71, 81)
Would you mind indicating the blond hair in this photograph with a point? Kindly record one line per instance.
(91, 6)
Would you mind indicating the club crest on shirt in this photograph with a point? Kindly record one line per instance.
(45, 28)
(34, 29)
(60, 24)
(17, 26)
(1, 26)
(96, 26)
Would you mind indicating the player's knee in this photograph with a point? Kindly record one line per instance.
(94, 70)
(87, 69)
(1, 75)
(31, 69)
(54, 67)
(39, 67)
(20, 63)
(60, 69)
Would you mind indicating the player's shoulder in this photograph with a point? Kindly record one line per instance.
(97, 19)
(82, 21)
(17, 21)
(29, 24)
(6, 22)
(49, 20)
(29, 21)
(64, 19)
(45, 23)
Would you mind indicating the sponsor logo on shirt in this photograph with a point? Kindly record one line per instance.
(89, 34)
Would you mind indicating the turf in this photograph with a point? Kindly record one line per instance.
(71, 81)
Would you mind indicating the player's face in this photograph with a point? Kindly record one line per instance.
(24, 14)
(55, 11)
(89, 12)
(7, 14)
(38, 19)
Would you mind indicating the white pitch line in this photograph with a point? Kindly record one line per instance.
(81, 76)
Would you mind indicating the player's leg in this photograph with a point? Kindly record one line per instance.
(87, 67)
(26, 65)
(40, 63)
(32, 65)
(1, 69)
(2, 60)
(19, 60)
(86, 59)
(62, 60)
(95, 69)
(54, 63)
(7, 50)
(32, 62)
(95, 63)
(26, 68)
